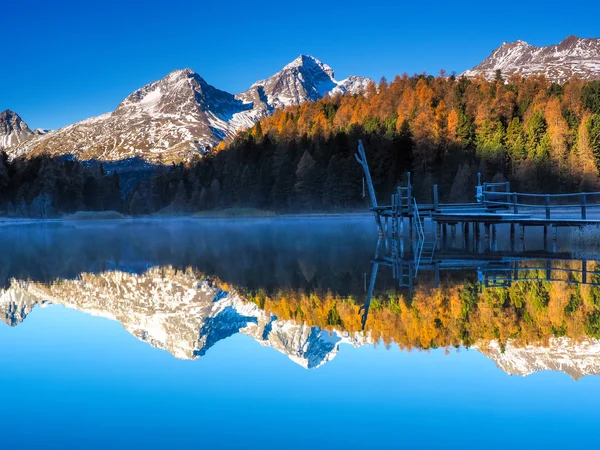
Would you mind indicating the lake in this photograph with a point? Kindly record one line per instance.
(292, 333)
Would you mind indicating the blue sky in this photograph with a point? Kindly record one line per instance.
(64, 61)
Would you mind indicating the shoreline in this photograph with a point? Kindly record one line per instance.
(28, 221)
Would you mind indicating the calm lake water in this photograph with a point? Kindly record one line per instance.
(262, 334)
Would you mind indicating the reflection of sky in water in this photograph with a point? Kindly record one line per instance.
(82, 381)
(74, 380)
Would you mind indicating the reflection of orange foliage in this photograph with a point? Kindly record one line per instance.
(452, 315)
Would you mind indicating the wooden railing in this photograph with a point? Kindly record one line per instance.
(516, 201)
(581, 275)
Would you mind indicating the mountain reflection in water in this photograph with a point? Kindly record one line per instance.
(302, 288)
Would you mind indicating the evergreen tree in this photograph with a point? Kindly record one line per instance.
(306, 185)
(462, 184)
(535, 131)
(180, 199)
(590, 96)
(594, 137)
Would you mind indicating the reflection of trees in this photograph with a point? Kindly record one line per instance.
(458, 312)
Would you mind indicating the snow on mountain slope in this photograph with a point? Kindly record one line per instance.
(172, 119)
(304, 79)
(15, 305)
(576, 359)
(186, 314)
(572, 57)
(178, 311)
(182, 116)
(13, 131)
(351, 85)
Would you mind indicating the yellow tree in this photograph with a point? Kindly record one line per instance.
(407, 106)
(440, 129)
(558, 131)
(453, 122)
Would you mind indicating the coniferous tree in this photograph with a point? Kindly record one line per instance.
(180, 199)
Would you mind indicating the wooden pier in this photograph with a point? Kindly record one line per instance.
(496, 205)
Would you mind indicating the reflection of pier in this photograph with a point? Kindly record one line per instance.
(497, 270)
(500, 269)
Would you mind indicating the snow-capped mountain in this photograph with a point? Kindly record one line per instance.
(15, 305)
(572, 57)
(181, 115)
(186, 314)
(13, 131)
(576, 359)
(171, 119)
(304, 79)
(178, 311)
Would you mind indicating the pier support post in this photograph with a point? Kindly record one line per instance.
(486, 228)
(493, 243)
(554, 238)
(522, 237)
(401, 238)
(512, 237)
(445, 233)
(546, 237)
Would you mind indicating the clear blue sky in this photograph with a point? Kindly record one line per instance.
(64, 61)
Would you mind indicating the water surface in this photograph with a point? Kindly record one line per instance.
(216, 334)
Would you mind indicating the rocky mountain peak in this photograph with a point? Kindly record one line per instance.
(304, 79)
(569, 41)
(180, 92)
(311, 65)
(10, 121)
(573, 56)
(13, 130)
(514, 44)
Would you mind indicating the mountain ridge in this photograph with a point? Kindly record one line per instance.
(573, 56)
(181, 116)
